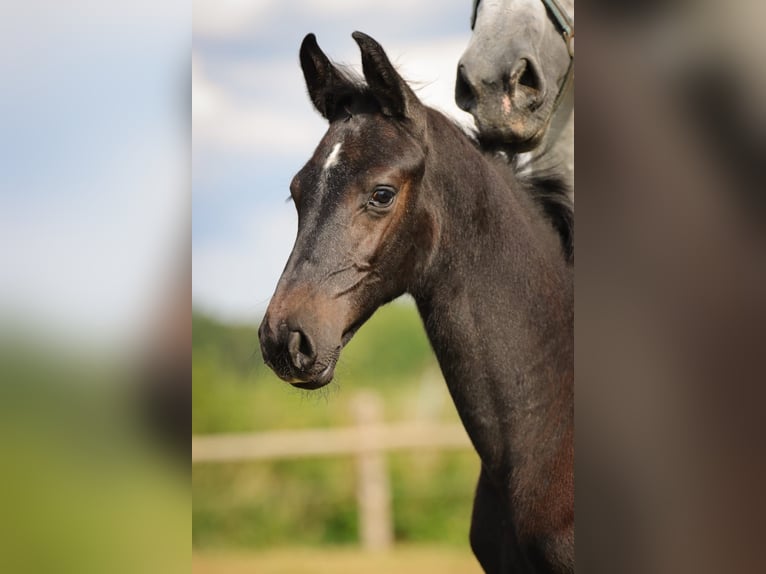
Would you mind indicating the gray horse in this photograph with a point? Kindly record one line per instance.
(516, 78)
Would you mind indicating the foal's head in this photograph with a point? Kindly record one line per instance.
(365, 232)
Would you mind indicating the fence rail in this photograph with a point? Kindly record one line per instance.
(328, 442)
(367, 441)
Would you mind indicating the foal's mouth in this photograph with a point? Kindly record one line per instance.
(318, 381)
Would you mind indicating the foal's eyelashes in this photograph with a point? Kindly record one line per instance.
(382, 197)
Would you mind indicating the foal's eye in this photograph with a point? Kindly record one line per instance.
(383, 196)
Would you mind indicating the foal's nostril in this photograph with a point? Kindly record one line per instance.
(465, 95)
(301, 350)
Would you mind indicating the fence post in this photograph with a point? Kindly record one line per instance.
(373, 489)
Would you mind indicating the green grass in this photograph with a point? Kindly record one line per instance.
(401, 560)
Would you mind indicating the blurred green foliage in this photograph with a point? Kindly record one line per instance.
(312, 501)
(85, 487)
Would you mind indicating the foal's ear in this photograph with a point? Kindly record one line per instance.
(324, 81)
(395, 96)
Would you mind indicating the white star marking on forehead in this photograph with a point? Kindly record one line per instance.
(332, 157)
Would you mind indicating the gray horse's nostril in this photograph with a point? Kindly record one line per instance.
(465, 95)
(530, 79)
(526, 83)
(301, 350)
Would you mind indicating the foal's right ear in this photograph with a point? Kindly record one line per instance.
(323, 80)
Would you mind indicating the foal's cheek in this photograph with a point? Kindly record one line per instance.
(369, 240)
(424, 235)
(366, 235)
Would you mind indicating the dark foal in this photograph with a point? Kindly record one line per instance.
(398, 199)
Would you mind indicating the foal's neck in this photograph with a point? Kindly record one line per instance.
(497, 304)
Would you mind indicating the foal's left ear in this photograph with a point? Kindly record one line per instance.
(395, 96)
(325, 83)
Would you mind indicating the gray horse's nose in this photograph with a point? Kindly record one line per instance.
(523, 83)
(465, 95)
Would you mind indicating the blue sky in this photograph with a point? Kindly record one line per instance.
(253, 125)
(94, 183)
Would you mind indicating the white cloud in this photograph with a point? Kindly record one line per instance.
(224, 120)
(431, 67)
(226, 18)
(281, 120)
(394, 9)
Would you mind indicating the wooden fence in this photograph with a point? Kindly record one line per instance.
(367, 441)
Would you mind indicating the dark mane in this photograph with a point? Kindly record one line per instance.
(546, 186)
(551, 193)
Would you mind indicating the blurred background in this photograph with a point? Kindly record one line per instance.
(95, 329)
(296, 510)
(95, 295)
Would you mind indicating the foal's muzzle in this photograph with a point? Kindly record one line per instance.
(292, 354)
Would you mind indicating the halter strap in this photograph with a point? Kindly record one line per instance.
(564, 22)
(566, 25)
